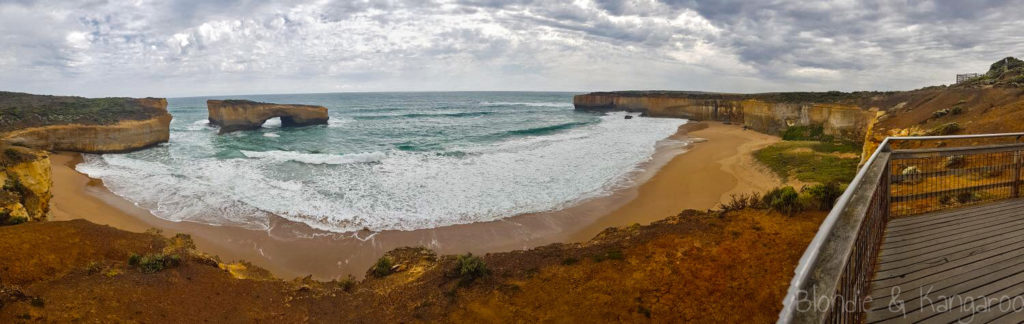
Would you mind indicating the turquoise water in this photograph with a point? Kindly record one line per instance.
(385, 161)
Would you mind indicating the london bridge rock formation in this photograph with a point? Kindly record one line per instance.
(234, 115)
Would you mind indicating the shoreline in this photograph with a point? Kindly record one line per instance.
(702, 177)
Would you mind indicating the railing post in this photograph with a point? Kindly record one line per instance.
(1015, 191)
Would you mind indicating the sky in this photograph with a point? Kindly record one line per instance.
(170, 48)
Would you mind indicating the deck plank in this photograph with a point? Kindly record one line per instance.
(953, 259)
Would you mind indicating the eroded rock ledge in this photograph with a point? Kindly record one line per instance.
(235, 115)
(101, 125)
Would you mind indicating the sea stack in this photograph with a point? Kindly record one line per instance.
(234, 115)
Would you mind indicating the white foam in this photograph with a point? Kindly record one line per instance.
(316, 158)
(272, 123)
(271, 135)
(337, 122)
(398, 190)
(201, 124)
(531, 104)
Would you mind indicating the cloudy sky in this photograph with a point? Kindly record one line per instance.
(209, 47)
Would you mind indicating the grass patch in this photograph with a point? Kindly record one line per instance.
(810, 161)
(609, 255)
(806, 133)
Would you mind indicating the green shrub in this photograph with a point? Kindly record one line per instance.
(615, 254)
(784, 200)
(825, 195)
(956, 110)
(570, 261)
(133, 260)
(940, 113)
(383, 267)
(17, 220)
(471, 267)
(944, 129)
(154, 262)
(348, 283)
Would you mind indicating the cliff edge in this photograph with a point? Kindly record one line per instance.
(100, 125)
(235, 115)
(842, 115)
(26, 180)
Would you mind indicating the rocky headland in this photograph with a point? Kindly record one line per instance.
(31, 124)
(990, 103)
(235, 115)
(100, 125)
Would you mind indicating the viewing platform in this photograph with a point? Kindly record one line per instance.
(931, 230)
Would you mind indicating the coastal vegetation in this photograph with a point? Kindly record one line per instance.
(811, 161)
(656, 270)
(23, 110)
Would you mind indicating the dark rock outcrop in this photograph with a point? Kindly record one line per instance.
(234, 115)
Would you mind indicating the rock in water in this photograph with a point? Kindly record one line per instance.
(234, 115)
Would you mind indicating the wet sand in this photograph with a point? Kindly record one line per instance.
(709, 171)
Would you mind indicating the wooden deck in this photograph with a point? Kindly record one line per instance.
(963, 264)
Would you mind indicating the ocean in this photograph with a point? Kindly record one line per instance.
(386, 161)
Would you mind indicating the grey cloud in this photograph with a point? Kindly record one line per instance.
(185, 47)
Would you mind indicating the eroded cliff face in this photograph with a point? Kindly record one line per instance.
(26, 181)
(122, 136)
(842, 120)
(125, 136)
(234, 115)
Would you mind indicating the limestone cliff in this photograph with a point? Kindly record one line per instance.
(840, 114)
(234, 115)
(124, 136)
(101, 125)
(26, 179)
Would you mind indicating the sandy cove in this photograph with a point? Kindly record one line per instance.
(708, 173)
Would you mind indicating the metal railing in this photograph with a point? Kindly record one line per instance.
(831, 280)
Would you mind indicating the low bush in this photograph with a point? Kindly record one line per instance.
(15, 220)
(154, 262)
(944, 129)
(470, 267)
(348, 283)
(824, 195)
(383, 267)
(783, 200)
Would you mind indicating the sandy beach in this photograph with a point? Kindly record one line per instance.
(715, 166)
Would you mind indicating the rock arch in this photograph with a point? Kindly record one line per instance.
(234, 115)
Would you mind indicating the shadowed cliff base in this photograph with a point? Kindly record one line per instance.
(691, 267)
(236, 115)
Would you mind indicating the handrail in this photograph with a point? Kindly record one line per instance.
(812, 255)
(941, 137)
(802, 272)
